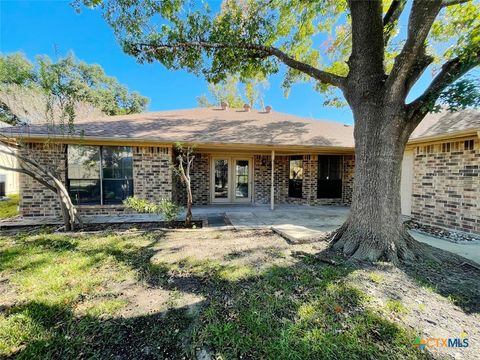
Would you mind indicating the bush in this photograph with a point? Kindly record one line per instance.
(166, 208)
(169, 210)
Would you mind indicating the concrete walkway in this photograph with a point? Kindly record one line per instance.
(469, 250)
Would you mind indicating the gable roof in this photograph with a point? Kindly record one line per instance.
(213, 126)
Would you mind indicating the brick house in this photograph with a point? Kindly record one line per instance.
(252, 157)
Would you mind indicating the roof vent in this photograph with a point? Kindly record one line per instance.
(268, 109)
(224, 105)
(246, 107)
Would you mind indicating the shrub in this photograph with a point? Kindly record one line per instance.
(166, 208)
(169, 210)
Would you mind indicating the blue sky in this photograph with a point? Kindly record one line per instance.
(40, 27)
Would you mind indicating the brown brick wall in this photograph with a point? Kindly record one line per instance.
(152, 180)
(152, 173)
(446, 185)
(200, 178)
(36, 200)
(262, 181)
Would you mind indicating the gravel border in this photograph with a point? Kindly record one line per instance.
(444, 234)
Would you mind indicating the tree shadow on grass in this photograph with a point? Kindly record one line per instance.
(303, 310)
(59, 334)
(453, 277)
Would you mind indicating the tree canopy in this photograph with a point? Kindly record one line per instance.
(314, 39)
(235, 92)
(67, 78)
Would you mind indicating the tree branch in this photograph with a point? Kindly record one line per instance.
(31, 174)
(322, 76)
(393, 14)
(446, 3)
(421, 19)
(422, 62)
(20, 157)
(366, 61)
(451, 71)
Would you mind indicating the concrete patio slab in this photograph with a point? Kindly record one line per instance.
(245, 220)
(300, 224)
(296, 234)
(470, 250)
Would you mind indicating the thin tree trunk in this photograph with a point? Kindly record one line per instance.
(66, 215)
(374, 229)
(69, 212)
(188, 217)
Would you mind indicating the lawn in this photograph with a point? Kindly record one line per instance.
(9, 208)
(196, 293)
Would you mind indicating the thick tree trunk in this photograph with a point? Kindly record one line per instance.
(374, 229)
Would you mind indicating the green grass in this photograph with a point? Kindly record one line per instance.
(61, 306)
(301, 312)
(396, 307)
(9, 208)
(376, 277)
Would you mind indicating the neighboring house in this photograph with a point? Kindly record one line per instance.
(9, 180)
(245, 157)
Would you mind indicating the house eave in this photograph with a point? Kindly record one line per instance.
(446, 136)
(210, 147)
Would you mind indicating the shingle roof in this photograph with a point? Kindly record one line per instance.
(446, 122)
(215, 126)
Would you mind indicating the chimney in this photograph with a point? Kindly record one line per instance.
(246, 107)
(224, 105)
(268, 109)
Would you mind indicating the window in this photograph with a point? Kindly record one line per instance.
(100, 175)
(329, 182)
(3, 181)
(84, 174)
(117, 169)
(468, 145)
(295, 180)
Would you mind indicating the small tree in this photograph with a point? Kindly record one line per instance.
(185, 157)
(47, 175)
(53, 94)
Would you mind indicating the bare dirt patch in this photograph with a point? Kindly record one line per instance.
(175, 293)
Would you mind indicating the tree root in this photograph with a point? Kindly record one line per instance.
(364, 245)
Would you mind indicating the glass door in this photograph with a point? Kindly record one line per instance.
(231, 179)
(242, 180)
(221, 180)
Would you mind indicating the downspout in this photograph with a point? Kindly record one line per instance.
(272, 187)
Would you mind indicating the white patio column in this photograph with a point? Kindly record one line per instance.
(272, 187)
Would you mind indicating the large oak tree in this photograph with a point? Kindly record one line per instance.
(365, 55)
